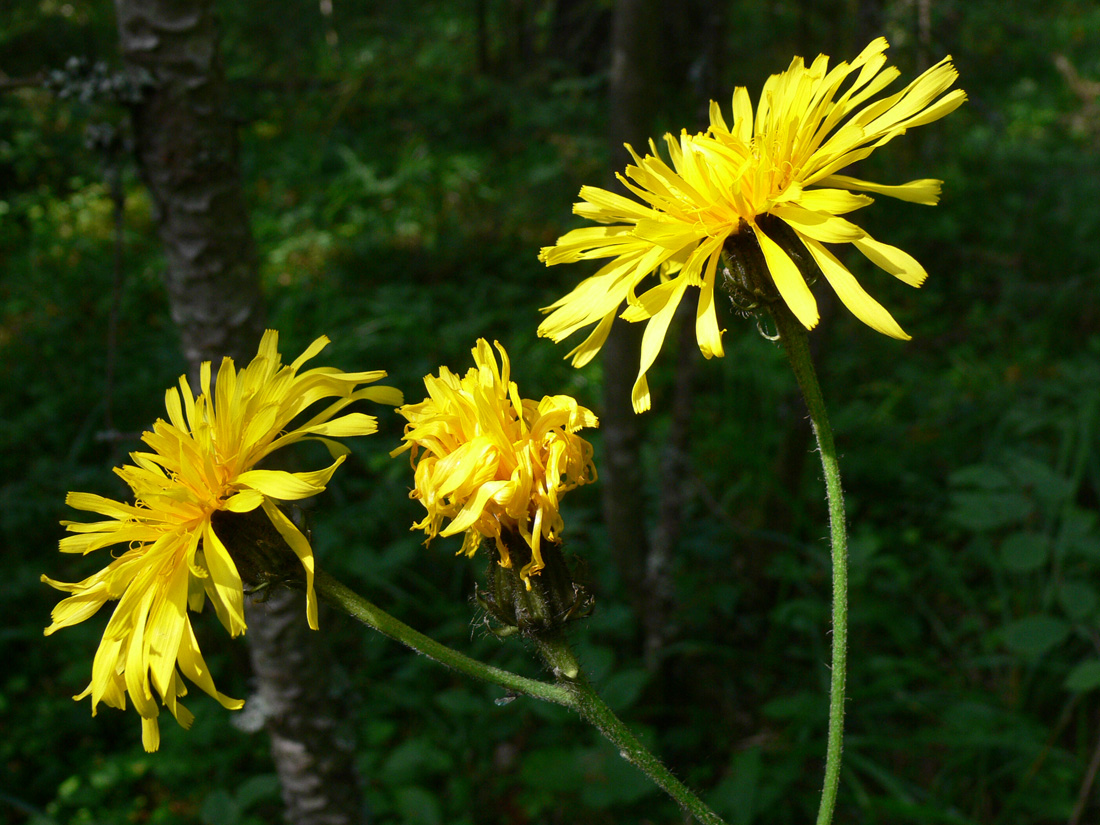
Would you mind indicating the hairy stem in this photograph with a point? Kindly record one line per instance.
(359, 608)
(796, 344)
(573, 689)
(587, 703)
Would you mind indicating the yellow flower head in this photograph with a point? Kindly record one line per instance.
(201, 461)
(492, 462)
(806, 130)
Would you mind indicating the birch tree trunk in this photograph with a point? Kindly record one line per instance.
(187, 154)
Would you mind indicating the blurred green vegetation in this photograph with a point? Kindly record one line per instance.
(400, 188)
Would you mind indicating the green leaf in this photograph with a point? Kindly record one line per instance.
(622, 690)
(558, 770)
(803, 704)
(735, 796)
(1078, 598)
(597, 660)
(1085, 676)
(981, 510)
(461, 701)
(1025, 552)
(415, 759)
(418, 806)
(1040, 478)
(1034, 635)
(984, 476)
(611, 782)
(257, 789)
(220, 808)
(1079, 533)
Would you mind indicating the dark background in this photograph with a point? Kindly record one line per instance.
(403, 163)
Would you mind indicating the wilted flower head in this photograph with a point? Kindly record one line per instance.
(201, 461)
(724, 182)
(494, 463)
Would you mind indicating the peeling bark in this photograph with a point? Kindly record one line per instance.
(312, 745)
(187, 153)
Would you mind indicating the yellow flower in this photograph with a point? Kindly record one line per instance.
(724, 180)
(492, 462)
(202, 461)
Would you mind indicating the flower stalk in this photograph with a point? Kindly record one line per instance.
(346, 599)
(573, 690)
(796, 344)
(589, 706)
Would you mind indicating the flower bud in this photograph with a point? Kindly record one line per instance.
(535, 605)
(745, 274)
(263, 558)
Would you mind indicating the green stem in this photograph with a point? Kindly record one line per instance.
(796, 343)
(573, 689)
(586, 702)
(359, 608)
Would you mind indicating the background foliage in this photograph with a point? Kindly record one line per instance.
(403, 170)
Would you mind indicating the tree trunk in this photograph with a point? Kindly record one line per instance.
(186, 148)
(187, 153)
(631, 105)
(311, 742)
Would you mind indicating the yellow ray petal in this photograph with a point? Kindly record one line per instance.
(862, 305)
(150, 735)
(834, 201)
(654, 336)
(224, 584)
(310, 352)
(591, 345)
(926, 191)
(640, 397)
(818, 225)
(194, 667)
(788, 280)
(706, 320)
(244, 502)
(76, 608)
(897, 262)
(166, 627)
(284, 486)
(300, 545)
(346, 426)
